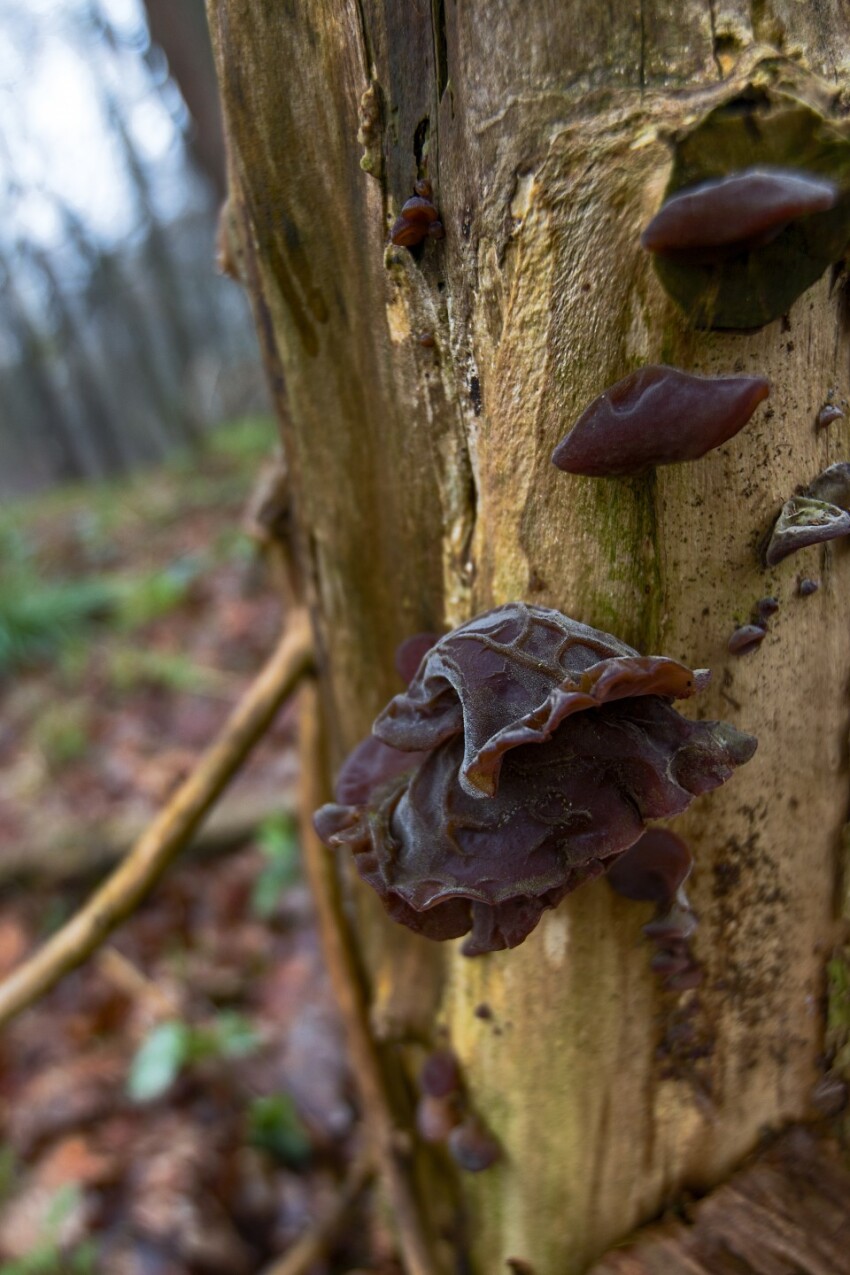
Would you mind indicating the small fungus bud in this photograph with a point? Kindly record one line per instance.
(765, 607)
(653, 869)
(685, 980)
(418, 219)
(670, 961)
(658, 416)
(746, 638)
(419, 210)
(829, 1095)
(677, 923)
(436, 1117)
(734, 214)
(805, 521)
(440, 1074)
(827, 414)
(807, 587)
(472, 1147)
(537, 748)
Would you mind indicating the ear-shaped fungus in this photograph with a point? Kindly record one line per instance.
(719, 219)
(745, 639)
(657, 416)
(827, 414)
(756, 208)
(805, 521)
(655, 870)
(536, 748)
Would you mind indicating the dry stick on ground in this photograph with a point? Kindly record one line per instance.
(170, 831)
(340, 956)
(307, 1251)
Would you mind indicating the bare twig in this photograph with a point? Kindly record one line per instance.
(314, 1244)
(388, 1139)
(169, 832)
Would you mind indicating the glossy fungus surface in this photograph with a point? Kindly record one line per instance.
(653, 869)
(827, 414)
(757, 207)
(418, 219)
(538, 747)
(436, 1117)
(807, 587)
(471, 1146)
(805, 521)
(746, 638)
(440, 1074)
(657, 416)
(734, 214)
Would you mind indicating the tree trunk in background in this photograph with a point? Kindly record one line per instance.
(180, 30)
(420, 397)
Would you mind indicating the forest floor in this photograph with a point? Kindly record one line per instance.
(181, 1105)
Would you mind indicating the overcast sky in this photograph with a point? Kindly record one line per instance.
(56, 72)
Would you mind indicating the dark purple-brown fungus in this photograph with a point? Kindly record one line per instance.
(472, 1147)
(440, 1074)
(658, 416)
(731, 215)
(418, 218)
(746, 638)
(827, 414)
(410, 653)
(436, 1117)
(655, 870)
(807, 587)
(522, 760)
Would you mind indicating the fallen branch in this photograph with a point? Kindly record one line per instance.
(387, 1138)
(56, 853)
(170, 831)
(313, 1245)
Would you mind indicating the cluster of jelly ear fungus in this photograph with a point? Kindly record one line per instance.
(659, 415)
(656, 415)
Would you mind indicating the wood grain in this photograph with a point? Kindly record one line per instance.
(425, 493)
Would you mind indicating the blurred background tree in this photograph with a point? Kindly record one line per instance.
(117, 341)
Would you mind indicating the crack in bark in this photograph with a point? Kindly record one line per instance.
(712, 23)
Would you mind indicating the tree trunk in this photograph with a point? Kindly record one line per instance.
(420, 396)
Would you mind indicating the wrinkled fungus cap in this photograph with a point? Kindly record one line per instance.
(523, 759)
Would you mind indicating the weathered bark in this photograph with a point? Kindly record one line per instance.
(424, 493)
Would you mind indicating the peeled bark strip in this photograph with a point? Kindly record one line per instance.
(421, 394)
